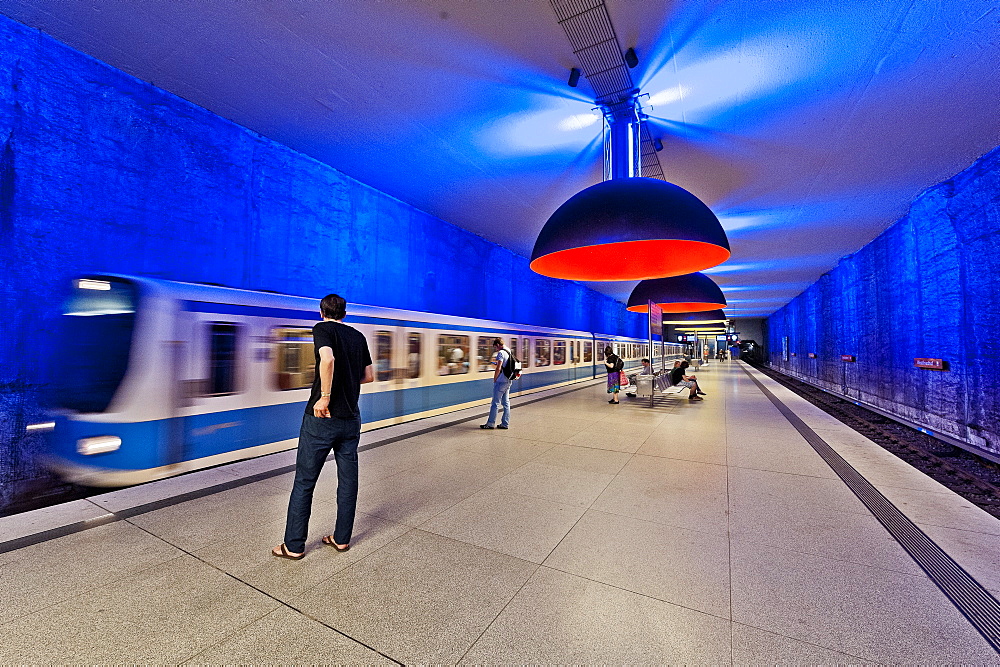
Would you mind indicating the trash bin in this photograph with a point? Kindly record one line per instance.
(644, 386)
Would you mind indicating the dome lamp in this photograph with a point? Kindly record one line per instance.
(629, 229)
(705, 317)
(694, 292)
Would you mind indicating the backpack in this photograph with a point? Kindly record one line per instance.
(512, 368)
(619, 365)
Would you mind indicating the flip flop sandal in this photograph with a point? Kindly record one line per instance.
(285, 553)
(328, 541)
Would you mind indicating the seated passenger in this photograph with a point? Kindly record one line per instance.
(647, 368)
(677, 377)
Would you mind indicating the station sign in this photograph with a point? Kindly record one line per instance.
(847, 357)
(930, 364)
(655, 320)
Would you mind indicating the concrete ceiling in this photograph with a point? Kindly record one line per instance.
(807, 126)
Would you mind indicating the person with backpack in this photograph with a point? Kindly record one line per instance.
(614, 365)
(506, 369)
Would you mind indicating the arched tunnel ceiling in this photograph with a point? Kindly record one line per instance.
(807, 126)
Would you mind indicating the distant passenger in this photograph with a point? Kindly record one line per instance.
(677, 377)
(501, 387)
(614, 364)
(332, 422)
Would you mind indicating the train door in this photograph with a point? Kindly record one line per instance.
(516, 350)
(411, 357)
(216, 379)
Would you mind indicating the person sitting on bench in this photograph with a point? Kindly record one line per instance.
(677, 377)
(633, 390)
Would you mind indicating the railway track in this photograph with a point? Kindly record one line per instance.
(972, 477)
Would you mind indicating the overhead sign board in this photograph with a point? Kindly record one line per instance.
(930, 364)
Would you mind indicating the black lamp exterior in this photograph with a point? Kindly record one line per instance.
(689, 290)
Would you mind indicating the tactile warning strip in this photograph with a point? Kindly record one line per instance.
(968, 596)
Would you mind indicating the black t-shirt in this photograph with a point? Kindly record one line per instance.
(676, 375)
(613, 360)
(350, 358)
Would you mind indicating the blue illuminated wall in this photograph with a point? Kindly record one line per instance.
(926, 287)
(102, 172)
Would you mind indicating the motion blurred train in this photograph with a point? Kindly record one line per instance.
(158, 378)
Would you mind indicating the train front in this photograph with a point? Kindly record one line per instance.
(100, 438)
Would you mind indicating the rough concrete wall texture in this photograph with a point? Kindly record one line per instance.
(925, 288)
(100, 172)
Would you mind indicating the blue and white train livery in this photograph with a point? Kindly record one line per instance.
(157, 378)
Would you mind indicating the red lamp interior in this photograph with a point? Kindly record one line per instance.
(688, 307)
(633, 260)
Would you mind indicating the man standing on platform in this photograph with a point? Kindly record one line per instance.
(501, 387)
(332, 422)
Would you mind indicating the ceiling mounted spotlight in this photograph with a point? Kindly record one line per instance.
(631, 59)
(694, 292)
(657, 145)
(629, 229)
(574, 77)
(704, 317)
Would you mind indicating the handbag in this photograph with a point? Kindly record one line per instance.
(623, 379)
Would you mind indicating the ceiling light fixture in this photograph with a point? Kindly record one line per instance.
(631, 59)
(705, 317)
(628, 227)
(694, 292)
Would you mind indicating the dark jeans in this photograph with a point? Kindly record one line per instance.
(316, 438)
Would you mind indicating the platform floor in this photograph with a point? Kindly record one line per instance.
(588, 533)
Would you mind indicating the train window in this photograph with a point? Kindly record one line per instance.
(588, 352)
(559, 353)
(525, 352)
(579, 352)
(600, 350)
(221, 359)
(383, 356)
(572, 352)
(484, 349)
(96, 336)
(295, 363)
(413, 343)
(513, 346)
(543, 352)
(453, 355)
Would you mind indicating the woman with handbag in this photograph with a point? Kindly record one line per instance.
(614, 364)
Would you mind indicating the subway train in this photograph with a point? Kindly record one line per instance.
(158, 378)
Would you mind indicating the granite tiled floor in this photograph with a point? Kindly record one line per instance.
(588, 533)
